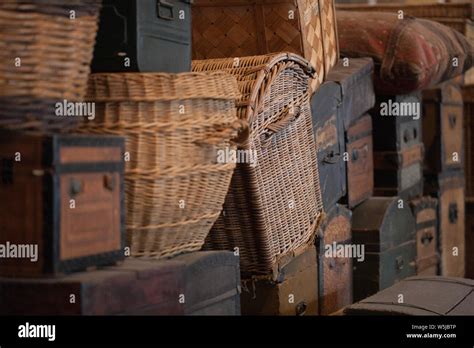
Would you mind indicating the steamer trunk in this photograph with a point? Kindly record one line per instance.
(360, 164)
(449, 188)
(295, 291)
(427, 257)
(470, 239)
(468, 98)
(421, 296)
(134, 288)
(386, 228)
(443, 128)
(329, 135)
(155, 35)
(65, 195)
(211, 283)
(399, 172)
(357, 88)
(397, 133)
(335, 272)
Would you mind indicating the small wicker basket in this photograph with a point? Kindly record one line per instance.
(174, 126)
(46, 48)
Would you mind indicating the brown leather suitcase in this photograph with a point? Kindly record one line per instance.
(385, 226)
(470, 239)
(329, 135)
(62, 195)
(211, 283)
(360, 162)
(335, 271)
(357, 88)
(426, 295)
(443, 128)
(425, 210)
(468, 99)
(293, 293)
(136, 287)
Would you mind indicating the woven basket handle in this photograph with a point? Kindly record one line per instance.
(232, 134)
(289, 117)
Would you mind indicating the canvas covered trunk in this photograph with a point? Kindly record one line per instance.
(420, 296)
(469, 239)
(65, 203)
(240, 28)
(385, 226)
(335, 267)
(360, 161)
(354, 75)
(294, 292)
(468, 99)
(328, 129)
(144, 36)
(211, 283)
(425, 210)
(136, 287)
(443, 128)
(274, 203)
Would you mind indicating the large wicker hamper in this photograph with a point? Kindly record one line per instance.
(274, 204)
(175, 127)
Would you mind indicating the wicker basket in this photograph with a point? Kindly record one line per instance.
(45, 51)
(174, 126)
(452, 10)
(237, 28)
(274, 204)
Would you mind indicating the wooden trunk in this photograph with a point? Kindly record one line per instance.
(329, 134)
(443, 128)
(358, 94)
(63, 194)
(470, 239)
(211, 283)
(420, 296)
(397, 133)
(425, 210)
(360, 164)
(295, 292)
(468, 98)
(385, 227)
(335, 271)
(399, 173)
(134, 288)
(452, 224)
(154, 35)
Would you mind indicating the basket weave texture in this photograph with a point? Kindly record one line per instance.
(450, 10)
(45, 51)
(238, 28)
(174, 126)
(274, 204)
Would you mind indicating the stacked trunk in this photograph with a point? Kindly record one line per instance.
(398, 149)
(468, 98)
(443, 169)
(385, 227)
(343, 133)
